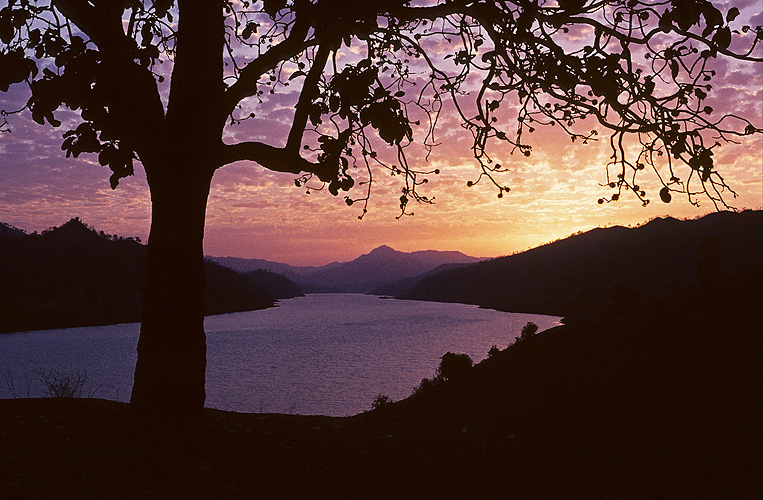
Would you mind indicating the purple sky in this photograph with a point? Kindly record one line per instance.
(260, 214)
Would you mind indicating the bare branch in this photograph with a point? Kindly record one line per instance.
(246, 85)
(309, 92)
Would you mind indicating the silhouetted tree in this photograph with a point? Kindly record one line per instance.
(529, 330)
(381, 401)
(368, 80)
(453, 366)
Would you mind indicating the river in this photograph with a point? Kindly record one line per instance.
(327, 354)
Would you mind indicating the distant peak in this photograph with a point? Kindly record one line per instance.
(72, 226)
(660, 221)
(384, 249)
(74, 222)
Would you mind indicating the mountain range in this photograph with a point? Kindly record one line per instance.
(373, 272)
(75, 276)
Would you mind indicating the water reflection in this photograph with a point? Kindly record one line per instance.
(325, 354)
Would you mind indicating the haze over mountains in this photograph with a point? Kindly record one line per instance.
(655, 265)
(381, 267)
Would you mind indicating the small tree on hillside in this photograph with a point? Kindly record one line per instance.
(529, 330)
(164, 82)
(453, 366)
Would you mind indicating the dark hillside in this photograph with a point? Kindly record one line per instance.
(612, 268)
(675, 405)
(227, 291)
(75, 276)
(278, 286)
(400, 287)
(8, 232)
(657, 372)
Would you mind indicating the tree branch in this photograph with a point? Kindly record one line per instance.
(275, 159)
(246, 85)
(100, 20)
(309, 92)
(135, 105)
(431, 13)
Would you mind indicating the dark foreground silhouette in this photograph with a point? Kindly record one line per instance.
(615, 408)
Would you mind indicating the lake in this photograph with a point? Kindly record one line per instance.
(326, 354)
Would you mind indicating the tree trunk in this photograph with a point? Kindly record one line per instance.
(179, 164)
(170, 372)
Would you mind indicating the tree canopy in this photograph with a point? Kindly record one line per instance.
(363, 83)
(370, 80)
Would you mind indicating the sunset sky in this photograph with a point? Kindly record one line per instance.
(255, 213)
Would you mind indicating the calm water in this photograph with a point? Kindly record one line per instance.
(327, 354)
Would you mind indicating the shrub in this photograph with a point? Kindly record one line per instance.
(424, 387)
(528, 331)
(453, 366)
(11, 384)
(380, 401)
(493, 351)
(58, 385)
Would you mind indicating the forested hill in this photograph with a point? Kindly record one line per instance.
(715, 260)
(73, 275)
